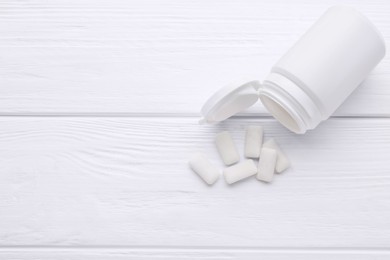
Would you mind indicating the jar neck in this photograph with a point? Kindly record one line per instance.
(289, 104)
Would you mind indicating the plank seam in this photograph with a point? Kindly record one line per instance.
(291, 250)
(169, 115)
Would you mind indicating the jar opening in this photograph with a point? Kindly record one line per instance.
(281, 114)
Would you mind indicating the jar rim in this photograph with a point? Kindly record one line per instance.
(285, 115)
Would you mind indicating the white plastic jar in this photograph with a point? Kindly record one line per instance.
(313, 78)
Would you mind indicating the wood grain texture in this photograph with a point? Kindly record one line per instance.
(124, 182)
(168, 57)
(188, 254)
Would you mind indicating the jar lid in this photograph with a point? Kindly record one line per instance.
(230, 100)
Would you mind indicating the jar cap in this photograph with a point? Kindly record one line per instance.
(230, 100)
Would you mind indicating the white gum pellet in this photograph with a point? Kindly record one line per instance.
(204, 168)
(226, 148)
(282, 162)
(267, 163)
(253, 141)
(240, 171)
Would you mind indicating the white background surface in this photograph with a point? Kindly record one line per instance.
(99, 103)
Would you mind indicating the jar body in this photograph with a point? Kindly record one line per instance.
(322, 69)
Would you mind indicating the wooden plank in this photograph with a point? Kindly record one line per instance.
(125, 182)
(188, 254)
(142, 57)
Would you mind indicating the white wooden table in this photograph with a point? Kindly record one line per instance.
(99, 102)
